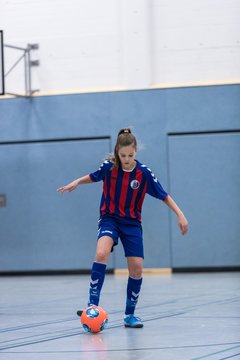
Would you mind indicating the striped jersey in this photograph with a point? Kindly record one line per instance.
(124, 191)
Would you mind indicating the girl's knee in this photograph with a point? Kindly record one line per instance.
(135, 272)
(135, 267)
(104, 247)
(102, 256)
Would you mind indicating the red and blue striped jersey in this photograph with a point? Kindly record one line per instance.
(124, 191)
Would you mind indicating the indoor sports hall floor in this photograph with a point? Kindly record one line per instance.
(186, 316)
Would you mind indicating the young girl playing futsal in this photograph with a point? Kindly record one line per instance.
(125, 183)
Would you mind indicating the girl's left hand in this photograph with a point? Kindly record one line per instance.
(183, 224)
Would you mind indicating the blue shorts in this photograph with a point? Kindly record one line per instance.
(129, 232)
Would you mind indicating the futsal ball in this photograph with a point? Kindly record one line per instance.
(94, 319)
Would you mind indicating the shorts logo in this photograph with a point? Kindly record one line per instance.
(106, 231)
(134, 184)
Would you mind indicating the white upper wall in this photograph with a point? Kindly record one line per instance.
(195, 41)
(92, 45)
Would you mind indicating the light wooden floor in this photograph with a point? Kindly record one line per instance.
(186, 316)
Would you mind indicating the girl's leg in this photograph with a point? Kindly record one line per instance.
(104, 247)
(135, 265)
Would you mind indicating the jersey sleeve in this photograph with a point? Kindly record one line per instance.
(101, 172)
(154, 188)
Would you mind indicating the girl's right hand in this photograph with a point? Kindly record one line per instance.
(183, 223)
(70, 187)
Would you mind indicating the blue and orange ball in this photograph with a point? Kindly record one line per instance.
(94, 319)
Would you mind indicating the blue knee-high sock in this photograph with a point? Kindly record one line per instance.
(133, 290)
(96, 282)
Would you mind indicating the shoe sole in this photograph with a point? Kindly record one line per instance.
(137, 326)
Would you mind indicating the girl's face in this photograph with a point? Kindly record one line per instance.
(127, 156)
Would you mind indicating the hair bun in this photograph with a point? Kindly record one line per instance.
(125, 131)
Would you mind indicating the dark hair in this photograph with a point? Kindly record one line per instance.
(125, 138)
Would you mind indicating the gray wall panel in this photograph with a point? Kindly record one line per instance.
(205, 176)
(153, 114)
(40, 228)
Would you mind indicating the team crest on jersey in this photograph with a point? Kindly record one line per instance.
(134, 184)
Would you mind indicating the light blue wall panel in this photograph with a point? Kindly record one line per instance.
(205, 176)
(145, 112)
(202, 108)
(40, 228)
(50, 117)
(151, 113)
